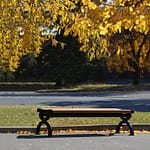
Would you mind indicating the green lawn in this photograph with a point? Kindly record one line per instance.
(25, 86)
(48, 86)
(27, 116)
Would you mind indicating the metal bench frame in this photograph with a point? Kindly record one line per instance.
(46, 113)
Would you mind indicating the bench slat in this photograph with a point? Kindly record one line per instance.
(85, 110)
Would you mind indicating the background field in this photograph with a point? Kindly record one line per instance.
(27, 116)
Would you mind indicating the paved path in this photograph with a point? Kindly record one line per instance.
(138, 100)
(75, 142)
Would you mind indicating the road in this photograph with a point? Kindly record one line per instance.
(74, 142)
(138, 100)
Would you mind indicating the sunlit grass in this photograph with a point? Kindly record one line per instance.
(48, 86)
(111, 87)
(93, 86)
(18, 115)
(27, 116)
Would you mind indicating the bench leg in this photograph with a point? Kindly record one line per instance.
(44, 122)
(125, 120)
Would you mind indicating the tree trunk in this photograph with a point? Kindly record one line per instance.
(136, 75)
(58, 83)
(136, 79)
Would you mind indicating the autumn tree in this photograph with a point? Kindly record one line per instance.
(26, 24)
(17, 30)
(63, 66)
(131, 50)
(130, 45)
(119, 30)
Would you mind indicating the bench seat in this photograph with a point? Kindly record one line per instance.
(46, 113)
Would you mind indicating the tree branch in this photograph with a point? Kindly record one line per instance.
(141, 45)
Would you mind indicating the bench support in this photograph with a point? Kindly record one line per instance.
(125, 121)
(44, 118)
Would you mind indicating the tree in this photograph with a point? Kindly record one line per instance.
(28, 69)
(92, 21)
(63, 65)
(131, 50)
(130, 45)
(119, 30)
(26, 24)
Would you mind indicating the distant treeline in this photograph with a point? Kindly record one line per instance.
(62, 66)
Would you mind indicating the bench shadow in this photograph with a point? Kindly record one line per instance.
(64, 136)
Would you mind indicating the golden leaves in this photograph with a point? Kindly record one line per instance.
(19, 32)
(54, 42)
(92, 22)
(141, 24)
(103, 30)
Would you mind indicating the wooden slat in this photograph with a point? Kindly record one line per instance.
(86, 110)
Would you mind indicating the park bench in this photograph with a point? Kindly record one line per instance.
(46, 113)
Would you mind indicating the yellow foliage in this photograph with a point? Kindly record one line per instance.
(92, 21)
(62, 45)
(54, 42)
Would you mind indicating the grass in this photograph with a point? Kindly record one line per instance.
(92, 87)
(18, 115)
(27, 116)
(110, 87)
(25, 86)
(48, 86)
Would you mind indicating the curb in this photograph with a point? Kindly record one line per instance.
(14, 129)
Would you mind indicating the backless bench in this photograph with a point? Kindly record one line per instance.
(46, 113)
